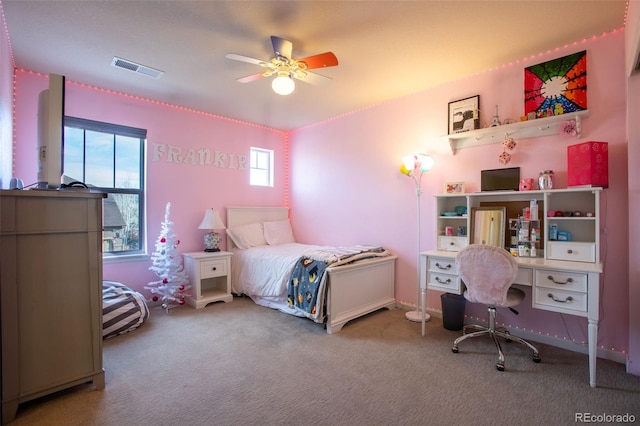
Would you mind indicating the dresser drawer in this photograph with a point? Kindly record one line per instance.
(559, 300)
(442, 265)
(449, 243)
(444, 282)
(573, 251)
(561, 280)
(213, 268)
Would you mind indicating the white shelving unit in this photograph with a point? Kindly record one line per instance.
(539, 127)
(584, 230)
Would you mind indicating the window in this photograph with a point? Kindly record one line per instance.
(261, 167)
(110, 157)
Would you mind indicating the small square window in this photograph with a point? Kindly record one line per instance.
(261, 167)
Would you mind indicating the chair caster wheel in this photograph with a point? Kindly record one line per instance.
(536, 358)
(500, 367)
(454, 350)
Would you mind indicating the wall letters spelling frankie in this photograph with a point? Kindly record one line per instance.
(201, 157)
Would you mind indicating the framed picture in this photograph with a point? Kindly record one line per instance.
(464, 115)
(454, 188)
(556, 87)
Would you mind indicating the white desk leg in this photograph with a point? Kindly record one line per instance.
(423, 302)
(593, 351)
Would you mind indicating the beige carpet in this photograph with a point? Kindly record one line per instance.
(241, 364)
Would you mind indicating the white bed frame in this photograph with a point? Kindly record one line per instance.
(354, 290)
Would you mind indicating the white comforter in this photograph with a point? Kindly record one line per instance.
(264, 271)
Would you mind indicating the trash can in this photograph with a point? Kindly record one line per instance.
(453, 311)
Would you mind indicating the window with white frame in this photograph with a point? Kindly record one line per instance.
(261, 167)
(110, 157)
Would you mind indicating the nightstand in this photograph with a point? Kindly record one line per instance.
(209, 276)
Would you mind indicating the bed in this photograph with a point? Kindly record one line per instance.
(264, 259)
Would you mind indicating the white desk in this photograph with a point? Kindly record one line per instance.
(559, 286)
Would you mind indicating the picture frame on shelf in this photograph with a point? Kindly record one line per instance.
(454, 188)
(464, 115)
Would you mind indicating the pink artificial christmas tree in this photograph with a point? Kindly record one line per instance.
(167, 264)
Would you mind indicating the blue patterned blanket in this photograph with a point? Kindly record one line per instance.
(306, 289)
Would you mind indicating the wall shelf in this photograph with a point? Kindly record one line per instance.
(546, 126)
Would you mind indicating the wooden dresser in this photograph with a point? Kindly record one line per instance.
(50, 293)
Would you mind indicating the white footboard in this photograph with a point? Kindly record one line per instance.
(358, 289)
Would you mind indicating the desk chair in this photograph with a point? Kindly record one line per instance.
(488, 273)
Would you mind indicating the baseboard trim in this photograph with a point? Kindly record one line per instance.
(536, 337)
(560, 343)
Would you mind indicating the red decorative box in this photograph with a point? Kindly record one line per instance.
(588, 164)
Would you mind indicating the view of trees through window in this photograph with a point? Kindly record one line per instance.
(110, 157)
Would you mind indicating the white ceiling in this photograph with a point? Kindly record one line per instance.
(386, 49)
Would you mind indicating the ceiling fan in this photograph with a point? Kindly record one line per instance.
(286, 68)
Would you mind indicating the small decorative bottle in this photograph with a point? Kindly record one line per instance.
(545, 179)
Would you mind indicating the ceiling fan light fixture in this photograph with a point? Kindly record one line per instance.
(283, 84)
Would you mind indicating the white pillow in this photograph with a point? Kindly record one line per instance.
(246, 236)
(278, 232)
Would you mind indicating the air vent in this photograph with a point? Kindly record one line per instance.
(132, 66)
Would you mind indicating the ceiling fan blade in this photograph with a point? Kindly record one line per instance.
(281, 47)
(250, 78)
(312, 78)
(243, 58)
(322, 60)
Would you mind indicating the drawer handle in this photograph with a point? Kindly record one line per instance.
(214, 268)
(445, 268)
(570, 251)
(568, 281)
(555, 299)
(447, 281)
(452, 243)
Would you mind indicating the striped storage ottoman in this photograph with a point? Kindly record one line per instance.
(123, 309)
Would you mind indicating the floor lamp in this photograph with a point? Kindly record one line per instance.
(414, 166)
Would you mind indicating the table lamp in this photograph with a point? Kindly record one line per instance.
(212, 222)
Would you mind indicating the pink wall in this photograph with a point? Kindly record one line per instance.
(191, 188)
(346, 187)
(6, 118)
(632, 35)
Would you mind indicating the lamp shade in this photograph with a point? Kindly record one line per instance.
(283, 84)
(425, 162)
(409, 163)
(211, 220)
(422, 162)
(588, 164)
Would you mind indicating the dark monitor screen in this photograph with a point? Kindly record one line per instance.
(500, 179)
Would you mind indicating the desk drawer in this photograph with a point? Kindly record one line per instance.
(573, 251)
(444, 282)
(448, 243)
(561, 280)
(213, 268)
(442, 265)
(560, 300)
